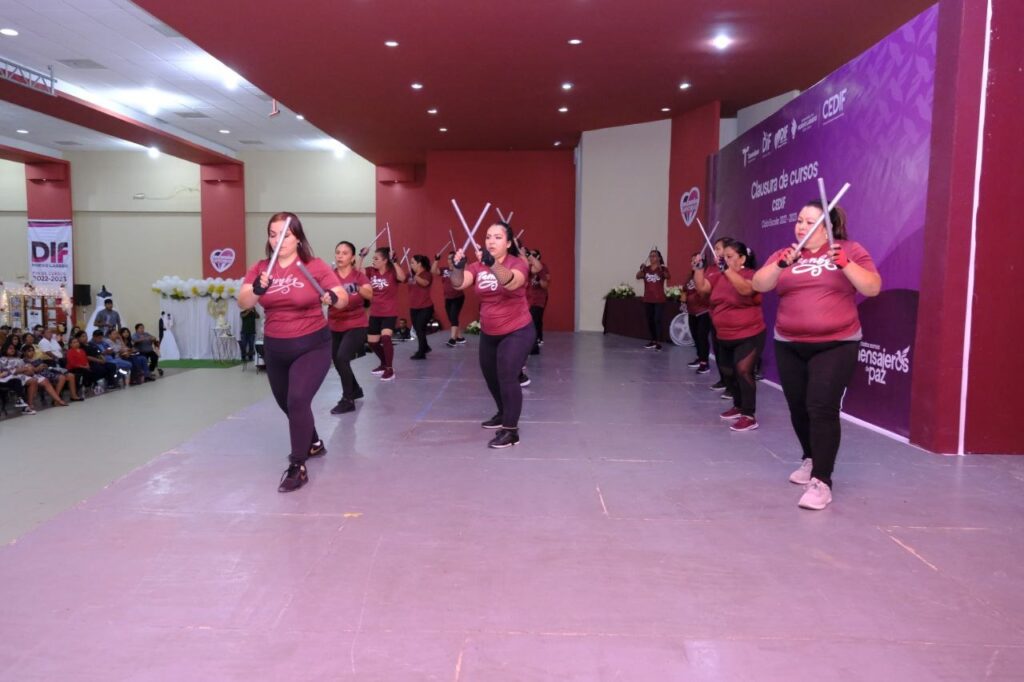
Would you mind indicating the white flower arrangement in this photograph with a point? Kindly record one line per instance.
(622, 291)
(673, 293)
(473, 327)
(180, 289)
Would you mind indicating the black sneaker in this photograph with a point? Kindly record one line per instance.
(344, 406)
(492, 423)
(651, 346)
(657, 346)
(717, 386)
(317, 449)
(504, 438)
(161, 372)
(461, 340)
(357, 393)
(726, 395)
(523, 379)
(418, 356)
(694, 363)
(703, 368)
(294, 477)
(451, 343)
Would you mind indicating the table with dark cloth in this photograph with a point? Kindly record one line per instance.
(625, 316)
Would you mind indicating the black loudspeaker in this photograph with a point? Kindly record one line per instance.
(82, 294)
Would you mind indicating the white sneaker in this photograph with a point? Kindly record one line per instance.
(802, 476)
(20, 404)
(817, 496)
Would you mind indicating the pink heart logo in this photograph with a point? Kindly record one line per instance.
(688, 205)
(222, 259)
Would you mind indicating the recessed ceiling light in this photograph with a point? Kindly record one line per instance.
(722, 41)
(417, 86)
(443, 130)
(22, 131)
(563, 109)
(567, 86)
(300, 117)
(223, 131)
(8, 32)
(665, 109)
(575, 41)
(391, 43)
(684, 86)
(558, 144)
(153, 152)
(431, 111)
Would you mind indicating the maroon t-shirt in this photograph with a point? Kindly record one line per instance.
(352, 316)
(446, 282)
(385, 292)
(817, 303)
(696, 302)
(501, 311)
(292, 305)
(735, 316)
(419, 297)
(536, 295)
(654, 284)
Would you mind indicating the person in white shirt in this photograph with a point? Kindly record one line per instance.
(49, 345)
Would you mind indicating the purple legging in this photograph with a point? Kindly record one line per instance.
(296, 368)
(501, 360)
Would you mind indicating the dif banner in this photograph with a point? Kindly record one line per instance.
(50, 253)
(869, 124)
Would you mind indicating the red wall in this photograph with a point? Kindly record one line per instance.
(222, 206)
(49, 200)
(993, 410)
(694, 139)
(539, 186)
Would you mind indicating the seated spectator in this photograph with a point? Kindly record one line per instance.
(49, 347)
(10, 362)
(28, 340)
(58, 377)
(136, 364)
(96, 352)
(13, 383)
(402, 331)
(147, 346)
(77, 362)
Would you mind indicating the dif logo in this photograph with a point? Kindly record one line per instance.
(49, 252)
(834, 106)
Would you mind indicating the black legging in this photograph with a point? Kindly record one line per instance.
(501, 360)
(537, 313)
(654, 314)
(345, 346)
(718, 352)
(736, 362)
(814, 377)
(296, 368)
(453, 308)
(420, 318)
(700, 329)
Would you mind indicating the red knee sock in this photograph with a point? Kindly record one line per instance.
(388, 350)
(375, 346)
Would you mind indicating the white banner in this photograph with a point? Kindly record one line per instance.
(50, 261)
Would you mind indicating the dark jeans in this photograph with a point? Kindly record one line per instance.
(501, 360)
(537, 313)
(345, 347)
(247, 345)
(420, 318)
(654, 314)
(153, 358)
(453, 308)
(737, 360)
(296, 368)
(700, 330)
(814, 377)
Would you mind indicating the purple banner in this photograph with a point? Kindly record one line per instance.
(869, 124)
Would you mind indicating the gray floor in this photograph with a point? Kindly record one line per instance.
(631, 536)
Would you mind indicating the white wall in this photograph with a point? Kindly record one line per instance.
(13, 241)
(623, 190)
(750, 116)
(728, 130)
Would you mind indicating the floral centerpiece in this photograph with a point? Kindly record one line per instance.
(180, 289)
(622, 291)
(473, 327)
(673, 293)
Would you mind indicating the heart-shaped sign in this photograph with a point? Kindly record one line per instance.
(222, 259)
(688, 205)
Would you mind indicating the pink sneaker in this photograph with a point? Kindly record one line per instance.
(802, 476)
(388, 375)
(744, 423)
(731, 413)
(817, 496)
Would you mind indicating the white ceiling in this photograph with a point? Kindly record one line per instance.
(139, 53)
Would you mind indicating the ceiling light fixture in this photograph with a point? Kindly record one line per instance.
(153, 152)
(223, 131)
(558, 144)
(567, 86)
(684, 86)
(665, 109)
(575, 41)
(391, 43)
(722, 41)
(563, 109)
(443, 130)
(8, 32)
(417, 86)
(22, 131)
(300, 117)
(431, 111)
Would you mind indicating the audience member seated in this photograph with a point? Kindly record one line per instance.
(99, 360)
(10, 362)
(77, 362)
(147, 346)
(58, 377)
(136, 363)
(51, 347)
(402, 330)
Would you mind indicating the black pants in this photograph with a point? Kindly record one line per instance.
(736, 362)
(153, 358)
(296, 368)
(501, 360)
(814, 378)
(247, 345)
(453, 308)
(345, 347)
(700, 329)
(718, 352)
(654, 315)
(420, 318)
(537, 313)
